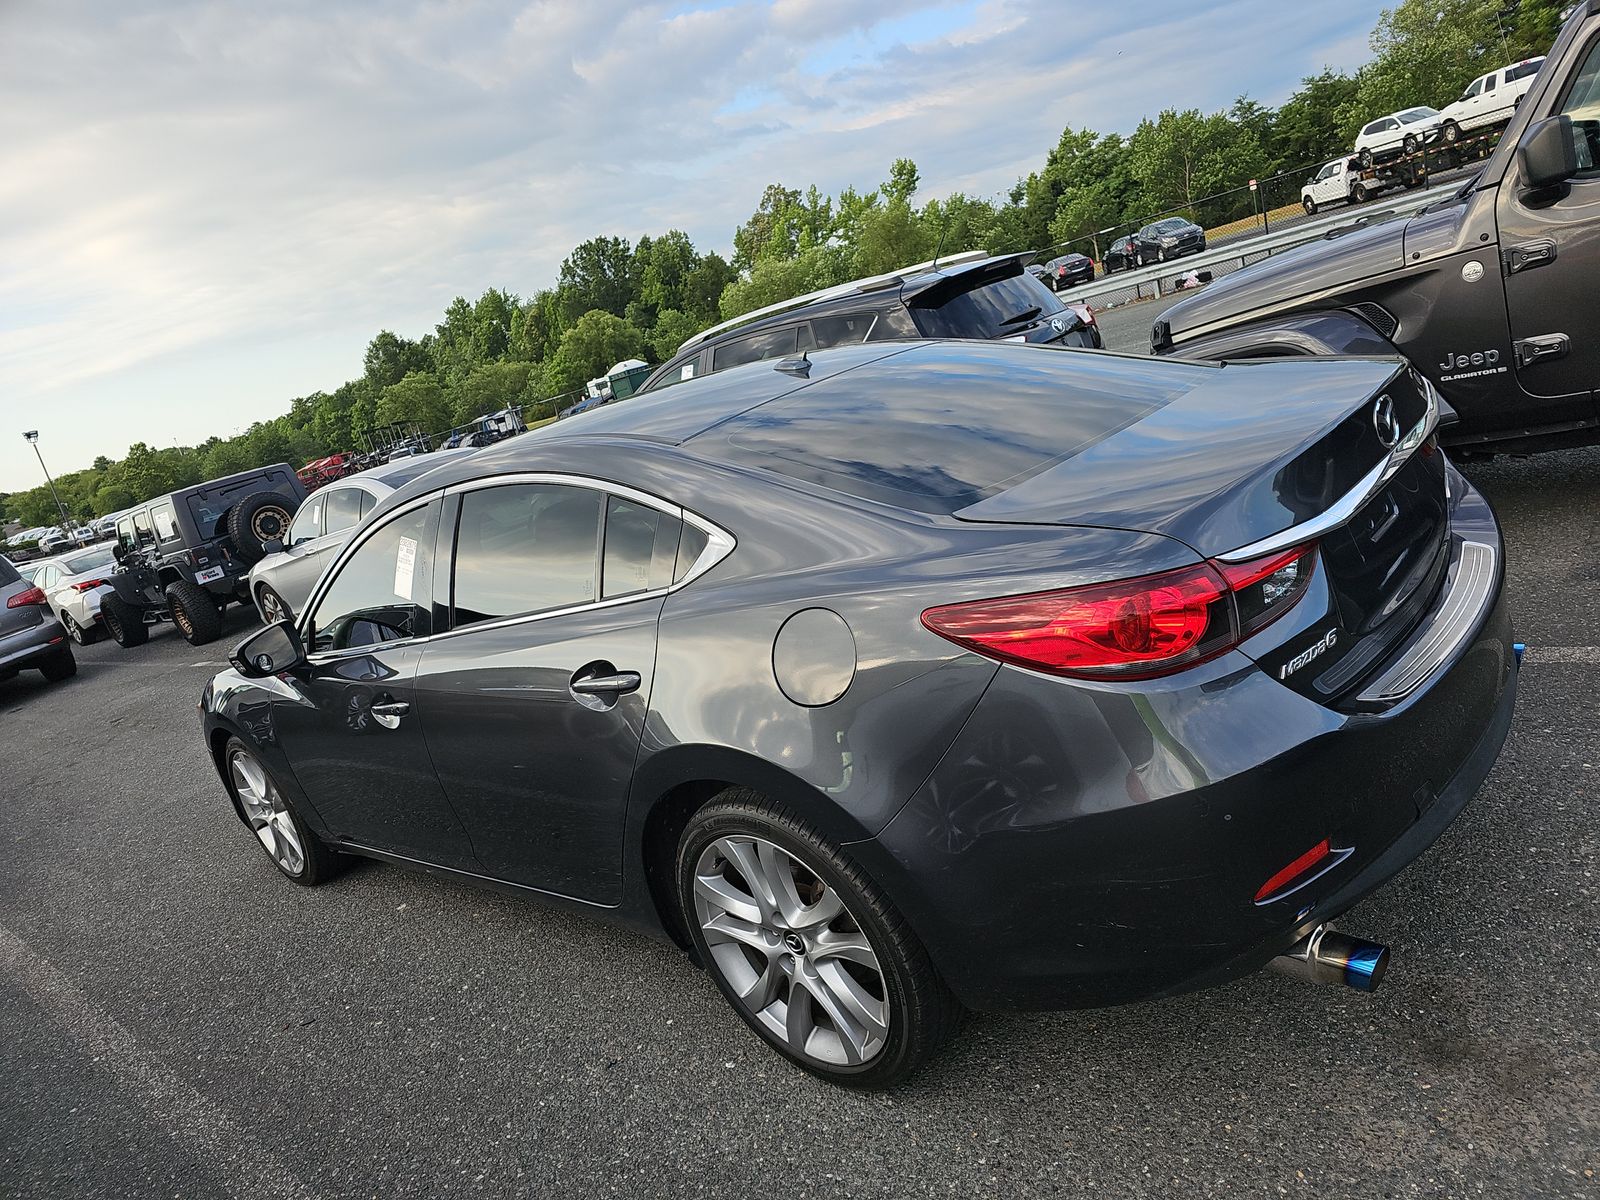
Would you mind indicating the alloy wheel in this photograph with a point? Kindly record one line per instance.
(787, 946)
(266, 813)
(74, 630)
(271, 606)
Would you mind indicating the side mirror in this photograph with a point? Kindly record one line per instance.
(1547, 153)
(272, 546)
(269, 651)
(119, 552)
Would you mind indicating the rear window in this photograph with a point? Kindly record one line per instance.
(1523, 70)
(915, 434)
(771, 343)
(990, 309)
(8, 573)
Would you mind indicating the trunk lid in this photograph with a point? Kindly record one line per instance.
(1261, 448)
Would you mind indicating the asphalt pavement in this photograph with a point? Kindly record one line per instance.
(180, 1021)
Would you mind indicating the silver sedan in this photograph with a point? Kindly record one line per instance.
(282, 581)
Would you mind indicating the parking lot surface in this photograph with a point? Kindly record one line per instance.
(181, 1021)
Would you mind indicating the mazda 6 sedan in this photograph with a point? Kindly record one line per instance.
(909, 678)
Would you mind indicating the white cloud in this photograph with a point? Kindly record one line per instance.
(209, 206)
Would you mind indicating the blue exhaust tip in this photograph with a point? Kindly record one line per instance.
(1366, 966)
(1519, 649)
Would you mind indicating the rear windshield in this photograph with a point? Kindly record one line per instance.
(1523, 70)
(92, 560)
(942, 427)
(8, 573)
(989, 310)
(210, 502)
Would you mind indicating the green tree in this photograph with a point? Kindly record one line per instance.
(488, 389)
(672, 329)
(598, 274)
(596, 342)
(417, 398)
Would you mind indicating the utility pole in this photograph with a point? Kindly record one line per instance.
(33, 440)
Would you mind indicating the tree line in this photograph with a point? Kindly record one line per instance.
(614, 300)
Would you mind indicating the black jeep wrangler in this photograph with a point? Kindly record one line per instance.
(1491, 293)
(184, 555)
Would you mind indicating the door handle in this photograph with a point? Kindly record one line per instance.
(388, 713)
(1538, 253)
(617, 684)
(1537, 349)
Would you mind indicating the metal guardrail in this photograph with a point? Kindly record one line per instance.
(1148, 283)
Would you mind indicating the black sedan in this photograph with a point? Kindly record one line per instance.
(910, 677)
(1161, 241)
(1067, 270)
(1119, 256)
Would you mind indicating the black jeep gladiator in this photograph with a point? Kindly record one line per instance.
(1492, 293)
(184, 555)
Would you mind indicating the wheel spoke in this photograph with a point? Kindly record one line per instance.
(743, 855)
(778, 869)
(766, 986)
(798, 1022)
(290, 852)
(716, 890)
(869, 1013)
(852, 946)
(818, 915)
(852, 1037)
(726, 927)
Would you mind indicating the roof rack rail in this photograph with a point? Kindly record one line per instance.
(871, 284)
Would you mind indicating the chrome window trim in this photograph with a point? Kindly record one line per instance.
(719, 544)
(1352, 501)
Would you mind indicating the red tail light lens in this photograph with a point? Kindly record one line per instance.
(1133, 628)
(22, 599)
(87, 585)
(1085, 313)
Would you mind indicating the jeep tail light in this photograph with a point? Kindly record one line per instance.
(34, 595)
(1136, 628)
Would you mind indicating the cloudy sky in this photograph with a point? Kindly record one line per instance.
(208, 208)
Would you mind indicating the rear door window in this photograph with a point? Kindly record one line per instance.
(640, 547)
(343, 509)
(525, 548)
(844, 330)
(771, 343)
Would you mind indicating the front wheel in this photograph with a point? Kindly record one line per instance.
(292, 847)
(1410, 143)
(805, 947)
(62, 666)
(273, 607)
(1365, 158)
(1451, 132)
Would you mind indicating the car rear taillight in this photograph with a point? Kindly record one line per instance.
(33, 595)
(1132, 628)
(1084, 313)
(87, 585)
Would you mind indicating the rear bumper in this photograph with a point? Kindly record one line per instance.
(32, 646)
(1084, 845)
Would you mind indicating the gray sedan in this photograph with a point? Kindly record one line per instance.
(281, 581)
(30, 635)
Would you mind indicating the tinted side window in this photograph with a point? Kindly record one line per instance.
(771, 343)
(344, 509)
(845, 330)
(8, 573)
(1523, 70)
(890, 324)
(641, 545)
(368, 503)
(384, 591)
(1490, 82)
(525, 548)
(125, 533)
(142, 529)
(1583, 106)
(166, 523)
(691, 546)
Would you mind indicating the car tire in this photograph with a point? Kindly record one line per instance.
(124, 622)
(80, 635)
(268, 814)
(256, 520)
(1409, 144)
(61, 666)
(1161, 256)
(268, 601)
(866, 1019)
(1450, 132)
(194, 612)
(1365, 159)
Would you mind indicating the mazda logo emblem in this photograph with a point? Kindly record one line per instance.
(794, 943)
(1385, 422)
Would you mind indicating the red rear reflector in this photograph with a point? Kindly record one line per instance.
(33, 595)
(1130, 629)
(1294, 870)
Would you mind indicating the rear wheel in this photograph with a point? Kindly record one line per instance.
(62, 666)
(259, 519)
(194, 612)
(1365, 159)
(288, 843)
(78, 633)
(804, 946)
(124, 622)
(1451, 132)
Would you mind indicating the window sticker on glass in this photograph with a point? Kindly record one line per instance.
(405, 566)
(164, 525)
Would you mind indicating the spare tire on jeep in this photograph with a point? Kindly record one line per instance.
(257, 519)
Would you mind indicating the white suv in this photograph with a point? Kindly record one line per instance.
(1401, 131)
(1489, 98)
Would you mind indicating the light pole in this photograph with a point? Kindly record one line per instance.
(33, 440)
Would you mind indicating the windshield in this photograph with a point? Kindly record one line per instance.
(1412, 115)
(91, 560)
(991, 309)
